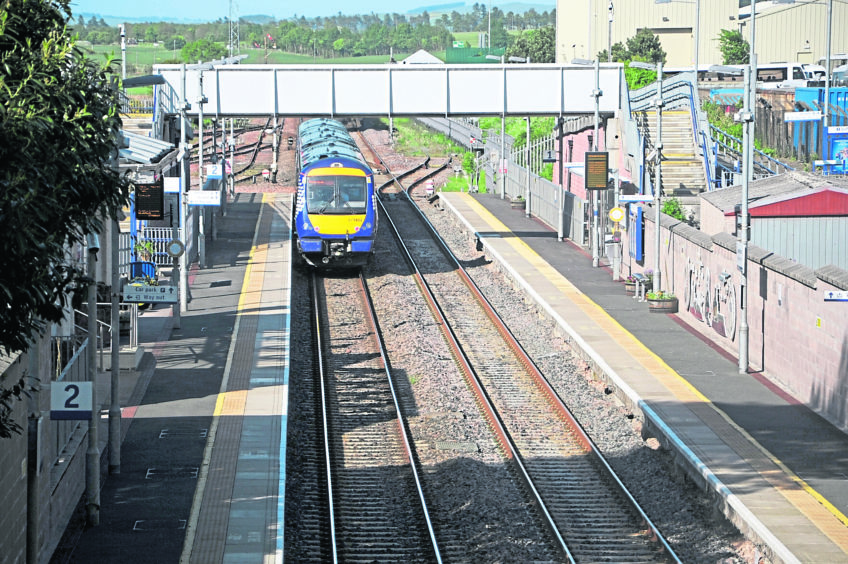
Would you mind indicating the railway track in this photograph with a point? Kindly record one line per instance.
(589, 513)
(375, 508)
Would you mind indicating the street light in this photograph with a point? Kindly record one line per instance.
(657, 281)
(747, 119)
(596, 93)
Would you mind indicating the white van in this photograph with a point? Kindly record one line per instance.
(782, 75)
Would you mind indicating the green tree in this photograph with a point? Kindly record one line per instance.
(537, 44)
(734, 49)
(619, 54)
(202, 50)
(645, 45)
(58, 122)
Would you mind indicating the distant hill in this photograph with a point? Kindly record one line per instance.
(463, 7)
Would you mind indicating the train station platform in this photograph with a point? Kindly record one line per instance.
(204, 416)
(775, 468)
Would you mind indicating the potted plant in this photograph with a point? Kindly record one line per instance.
(144, 250)
(662, 302)
(518, 203)
(630, 285)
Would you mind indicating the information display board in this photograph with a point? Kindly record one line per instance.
(596, 167)
(150, 200)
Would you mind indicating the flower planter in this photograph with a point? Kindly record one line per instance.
(518, 204)
(667, 305)
(630, 288)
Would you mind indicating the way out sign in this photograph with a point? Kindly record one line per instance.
(70, 400)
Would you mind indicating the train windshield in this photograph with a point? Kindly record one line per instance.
(336, 194)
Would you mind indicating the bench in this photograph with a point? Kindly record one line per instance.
(642, 282)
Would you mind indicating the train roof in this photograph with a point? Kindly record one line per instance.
(324, 138)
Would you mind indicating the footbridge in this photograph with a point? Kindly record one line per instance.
(390, 90)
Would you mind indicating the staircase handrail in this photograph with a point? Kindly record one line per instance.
(735, 148)
(678, 92)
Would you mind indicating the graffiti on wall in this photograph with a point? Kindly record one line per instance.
(710, 301)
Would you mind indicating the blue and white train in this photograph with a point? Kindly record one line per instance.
(336, 207)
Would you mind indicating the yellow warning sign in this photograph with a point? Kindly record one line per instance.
(616, 215)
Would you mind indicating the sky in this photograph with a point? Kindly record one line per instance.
(210, 10)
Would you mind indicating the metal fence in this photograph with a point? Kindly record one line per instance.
(75, 369)
(544, 196)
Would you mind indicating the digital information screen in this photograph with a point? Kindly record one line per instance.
(595, 167)
(150, 201)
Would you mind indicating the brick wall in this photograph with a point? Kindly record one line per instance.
(795, 337)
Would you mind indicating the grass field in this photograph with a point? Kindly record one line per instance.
(141, 58)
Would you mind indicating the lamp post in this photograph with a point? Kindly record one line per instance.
(609, 33)
(827, 76)
(658, 146)
(745, 116)
(92, 454)
(184, 154)
(596, 94)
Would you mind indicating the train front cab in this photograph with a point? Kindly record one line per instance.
(336, 219)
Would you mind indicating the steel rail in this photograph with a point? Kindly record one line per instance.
(509, 447)
(404, 432)
(402, 426)
(319, 359)
(534, 371)
(547, 389)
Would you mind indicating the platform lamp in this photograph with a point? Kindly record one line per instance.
(747, 118)
(596, 94)
(658, 101)
(115, 356)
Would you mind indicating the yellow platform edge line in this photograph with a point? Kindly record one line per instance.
(534, 257)
(220, 400)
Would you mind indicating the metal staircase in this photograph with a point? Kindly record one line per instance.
(683, 175)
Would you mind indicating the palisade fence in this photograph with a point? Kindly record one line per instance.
(544, 196)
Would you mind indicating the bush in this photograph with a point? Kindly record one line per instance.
(672, 207)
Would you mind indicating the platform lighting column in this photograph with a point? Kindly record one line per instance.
(826, 119)
(115, 335)
(201, 241)
(186, 183)
(527, 164)
(746, 116)
(657, 281)
(232, 156)
(123, 29)
(92, 469)
(561, 219)
(596, 93)
(609, 33)
(502, 164)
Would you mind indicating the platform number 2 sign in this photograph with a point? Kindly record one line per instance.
(70, 400)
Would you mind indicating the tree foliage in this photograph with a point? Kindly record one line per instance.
(58, 124)
(734, 49)
(202, 50)
(646, 46)
(537, 44)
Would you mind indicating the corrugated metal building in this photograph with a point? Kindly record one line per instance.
(800, 216)
(788, 32)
